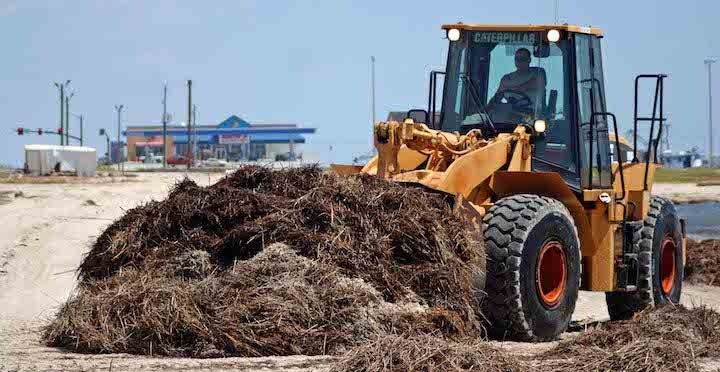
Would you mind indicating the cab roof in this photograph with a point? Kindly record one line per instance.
(564, 27)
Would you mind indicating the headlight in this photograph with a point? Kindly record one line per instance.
(453, 34)
(553, 36)
(539, 126)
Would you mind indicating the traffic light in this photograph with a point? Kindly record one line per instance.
(59, 131)
(39, 131)
(21, 131)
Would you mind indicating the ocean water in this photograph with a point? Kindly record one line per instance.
(703, 219)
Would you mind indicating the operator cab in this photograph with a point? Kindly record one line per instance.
(543, 76)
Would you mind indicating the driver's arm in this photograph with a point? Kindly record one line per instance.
(501, 87)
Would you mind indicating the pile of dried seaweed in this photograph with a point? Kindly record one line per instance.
(427, 353)
(703, 262)
(303, 262)
(198, 273)
(668, 338)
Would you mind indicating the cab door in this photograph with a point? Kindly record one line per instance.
(594, 138)
(556, 150)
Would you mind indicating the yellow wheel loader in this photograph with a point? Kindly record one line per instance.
(522, 140)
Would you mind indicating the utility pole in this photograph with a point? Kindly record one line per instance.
(557, 11)
(710, 126)
(194, 135)
(103, 132)
(66, 130)
(62, 115)
(189, 123)
(164, 123)
(372, 81)
(61, 87)
(708, 62)
(119, 109)
(80, 117)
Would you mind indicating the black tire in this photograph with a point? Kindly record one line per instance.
(516, 230)
(661, 225)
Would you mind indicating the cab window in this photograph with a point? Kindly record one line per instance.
(556, 146)
(504, 79)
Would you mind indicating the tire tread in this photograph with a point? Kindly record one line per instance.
(505, 228)
(623, 305)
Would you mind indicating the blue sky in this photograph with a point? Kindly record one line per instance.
(308, 61)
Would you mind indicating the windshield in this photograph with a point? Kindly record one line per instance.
(506, 77)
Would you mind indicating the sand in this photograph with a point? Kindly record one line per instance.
(687, 193)
(45, 229)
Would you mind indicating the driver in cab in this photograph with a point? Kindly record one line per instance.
(519, 94)
(525, 79)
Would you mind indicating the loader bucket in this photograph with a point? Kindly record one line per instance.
(345, 169)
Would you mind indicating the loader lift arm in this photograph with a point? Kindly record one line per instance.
(454, 163)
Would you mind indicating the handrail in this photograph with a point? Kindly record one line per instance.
(431, 122)
(432, 99)
(617, 150)
(659, 97)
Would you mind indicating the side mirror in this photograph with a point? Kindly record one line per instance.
(102, 132)
(418, 116)
(541, 51)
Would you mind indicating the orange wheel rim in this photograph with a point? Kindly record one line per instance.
(667, 265)
(551, 274)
